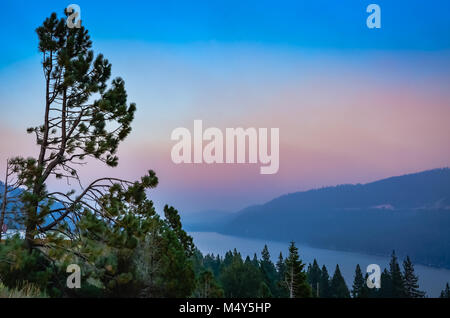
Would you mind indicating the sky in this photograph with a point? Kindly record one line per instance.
(353, 104)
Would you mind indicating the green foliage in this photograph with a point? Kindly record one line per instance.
(314, 274)
(338, 287)
(269, 273)
(411, 285)
(359, 284)
(295, 280)
(397, 279)
(19, 267)
(207, 286)
(239, 278)
(324, 283)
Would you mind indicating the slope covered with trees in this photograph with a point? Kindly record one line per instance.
(410, 214)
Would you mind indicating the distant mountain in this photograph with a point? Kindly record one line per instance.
(9, 217)
(409, 213)
(205, 221)
(13, 216)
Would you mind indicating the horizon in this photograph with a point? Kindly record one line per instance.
(383, 112)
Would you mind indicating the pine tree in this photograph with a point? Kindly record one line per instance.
(241, 278)
(367, 292)
(338, 287)
(295, 279)
(281, 270)
(397, 279)
(314, 274)
(101, 224)
(386, 285)
(411, 286)
(358, 283)
(446, 292)
(268, 271)
(324, 283)
(280, 267)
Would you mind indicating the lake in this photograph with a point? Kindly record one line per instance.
(431, 279)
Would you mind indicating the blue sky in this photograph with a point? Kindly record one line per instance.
(318, 24)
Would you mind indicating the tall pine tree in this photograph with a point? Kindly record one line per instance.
(295, 280)
(397, 279)
(324, 283)
(268, 271)
(358, 284)
(339, 288)
(314, 274)
(411, 285)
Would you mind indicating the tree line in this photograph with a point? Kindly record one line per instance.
(233, 276)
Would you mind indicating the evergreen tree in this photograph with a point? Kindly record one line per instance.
(240, 279)
(397, 279)
(446, 292)
(295, 280)
(367, 292)
(338, 286)
(411, 286)
(82, 118)
(86, 115)
(280, 267)
(268, 271)
(358, 283)
(324, 283)
(385, 290)
(255, 260)
(314, 274)
(281, 270)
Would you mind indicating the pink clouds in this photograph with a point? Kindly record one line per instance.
(342, 119)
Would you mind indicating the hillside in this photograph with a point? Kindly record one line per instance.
(409, 213)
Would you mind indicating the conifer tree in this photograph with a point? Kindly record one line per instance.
(338, 286)
(280, 267)
(358, 283)
(98, 225)
(411, 286)
(386, 285)
(268, 271)
(84, 117)
(397, 279)
(324, 283)
(314, 274)
(295, 279)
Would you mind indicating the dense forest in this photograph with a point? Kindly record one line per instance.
(161, 268)
(233, 276)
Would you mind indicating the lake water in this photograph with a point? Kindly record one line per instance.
(431, 279)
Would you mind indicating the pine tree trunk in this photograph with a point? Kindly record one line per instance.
(4, 202)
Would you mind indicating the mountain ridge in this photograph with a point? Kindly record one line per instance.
(408, 213)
